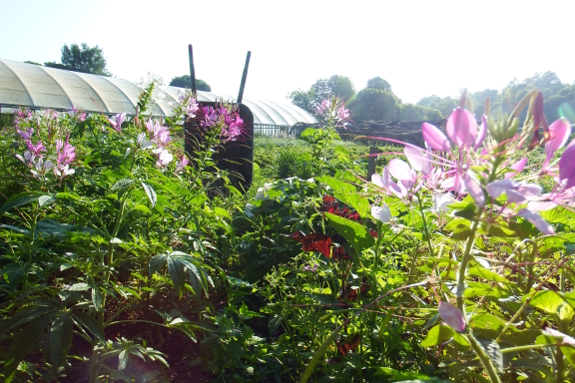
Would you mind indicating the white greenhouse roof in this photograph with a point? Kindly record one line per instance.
(33, 86)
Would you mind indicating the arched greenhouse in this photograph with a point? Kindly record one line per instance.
(35, 87)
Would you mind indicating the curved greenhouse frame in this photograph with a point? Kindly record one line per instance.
(36, 87)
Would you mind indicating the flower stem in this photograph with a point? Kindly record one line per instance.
(484, 358)
(425, 229)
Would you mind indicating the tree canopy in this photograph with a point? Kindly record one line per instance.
(82, 59)
(185, 81)
(336, 85)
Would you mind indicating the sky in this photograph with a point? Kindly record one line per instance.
(420, 47)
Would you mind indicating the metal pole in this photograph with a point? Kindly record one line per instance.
(244, 78)
(373, 151)
(192, 69)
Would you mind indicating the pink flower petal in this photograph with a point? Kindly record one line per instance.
(461, 128)
(566, 338)
(399, 169)
(560, 131)
(452, 316)
(518, 167)
(474, 189)
(418, 160)
(435, 137)
(496, 188)
(567, 167)
(541, 205)
(481, 134)
(537, 221)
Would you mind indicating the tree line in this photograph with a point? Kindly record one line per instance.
(85, 59)
(377, 102)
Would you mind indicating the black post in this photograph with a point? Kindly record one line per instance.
(244, 78)
(192, 69)
(371, 162)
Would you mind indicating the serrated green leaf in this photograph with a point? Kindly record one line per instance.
(97, 298)
(156, 263)
(60, 337)
(123, 184)
(91, 324)
(123, 360)
(81, 286)
(150, 193)
(46, 200)
(23, 342)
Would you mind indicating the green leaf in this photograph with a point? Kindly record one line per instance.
(353, 232)
(123, 184)
(177, 274)
(60, 337)
(459, 228)
(552, 303)
(23, 342)
(91, 324)
(123, 360)
(150, 193)
(46, 200)
(156, 263)
(142, 208)
(486, 321)
(97, 298)
(479, 289)
(493, 350)
(82, 286)
(438, 334)
(19, 200)
(484, 273)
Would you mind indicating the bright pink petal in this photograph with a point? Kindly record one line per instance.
(518, 167)
(399, 169)
(481, 134)
(418, 160)
(474, 189)
(541, 205)
(452, 316)
(435, 138)
(567, 167)
(496, 188)
(529, 190)
(537, 221)
(461, 128)
(560, 131)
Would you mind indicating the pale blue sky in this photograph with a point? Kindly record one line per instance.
(419, 47)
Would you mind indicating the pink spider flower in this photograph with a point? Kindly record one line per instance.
(182, 163)
(116, 123)
(323, 107)
(463, 131)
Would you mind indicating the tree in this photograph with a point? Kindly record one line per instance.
(378, 83)
(413, 113)
(375, 105)
(185, 81)
(336, 85)
(444, 105)
(303, 99)
(82, 59)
